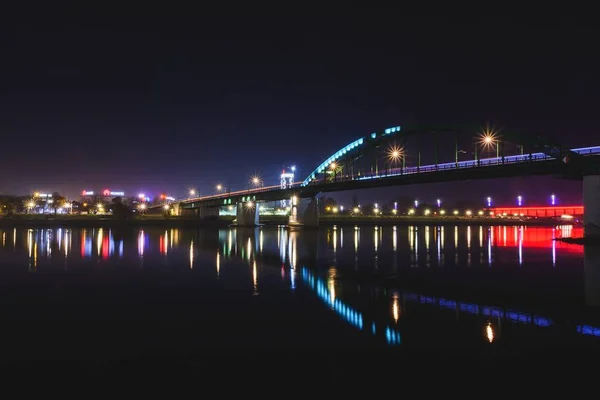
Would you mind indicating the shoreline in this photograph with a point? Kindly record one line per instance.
(85, 221)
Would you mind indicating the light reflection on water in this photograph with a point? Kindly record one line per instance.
(299, 255)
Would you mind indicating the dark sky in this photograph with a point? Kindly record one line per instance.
(140, 102)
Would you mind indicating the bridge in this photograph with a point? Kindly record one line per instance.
(396, 157)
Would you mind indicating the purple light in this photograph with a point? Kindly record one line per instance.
(489, 201)
(519, 201)
(439, 203)
(553, 200)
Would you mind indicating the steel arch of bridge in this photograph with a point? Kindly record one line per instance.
(533, 143)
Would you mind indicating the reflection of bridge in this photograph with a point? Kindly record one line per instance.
(398, 157)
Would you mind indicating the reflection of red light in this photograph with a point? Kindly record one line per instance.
(536, 237)
(106, 192)
(105, 247)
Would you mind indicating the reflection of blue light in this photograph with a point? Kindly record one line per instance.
(518, 317)
(588, 330)
(120, 248)
(447, 303)
(373, 328)
(392, 336)
(412, 296)
(541, 321)
(88, 246)
(346, 312)
(470, 308)
(492, 312)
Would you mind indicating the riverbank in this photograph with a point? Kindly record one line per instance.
(451, 220)
(585, 240)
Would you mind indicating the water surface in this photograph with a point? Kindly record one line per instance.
(108, 294)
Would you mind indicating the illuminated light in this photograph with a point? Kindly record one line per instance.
(36, 194)
(469, 212)
(394, 153)
(106, 192)
(489, 332)
(219, 187)
(427, 212)
(332, 166)
(293, 168)
(335, 210)
(255, 180)
(416, 203)
(519, 201)
(439, 202)
(171, 198)
(166, 206)
(141, 196)
(142, 207)
(442, 212)
(565, 216)
(480, 212)
(249, 205)
(192, 192)
(395, 307)
(489, 201)
(355, 210)
(411, 211)
(553, 199)
(455, 212)
(87, 192)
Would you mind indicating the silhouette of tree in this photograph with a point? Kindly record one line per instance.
(120, 210)
(58, 201)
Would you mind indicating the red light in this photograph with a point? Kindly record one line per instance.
(83, 193)
(106, 192)
(163, 196)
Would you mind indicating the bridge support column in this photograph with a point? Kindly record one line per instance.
(591, 205)
(247, 214)
(304, 212)
(208, 212)
(591, 275)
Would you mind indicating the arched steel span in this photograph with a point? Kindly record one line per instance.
(533, 143)
(354, 147)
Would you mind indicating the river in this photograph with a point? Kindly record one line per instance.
(100, 295)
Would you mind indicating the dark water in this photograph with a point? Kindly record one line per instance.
(108, 295)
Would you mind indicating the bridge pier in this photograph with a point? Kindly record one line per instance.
(304, 212)
(591, 205)
(247, 214)
(208, 212)
(591, 275)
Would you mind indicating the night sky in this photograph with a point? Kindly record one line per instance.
(147, 103)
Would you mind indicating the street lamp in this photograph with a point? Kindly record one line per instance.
(553, 199)
(489, 201)
(219, 187)
(519, 201)
(489, 139)
(192, 192)
(439, 202)
(256, 181)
